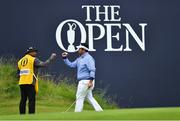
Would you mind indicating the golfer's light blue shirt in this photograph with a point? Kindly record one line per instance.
(85, 65)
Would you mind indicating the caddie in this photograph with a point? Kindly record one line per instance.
(28, 82)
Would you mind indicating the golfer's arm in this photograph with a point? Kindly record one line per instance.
(92, 69)
(70, 64)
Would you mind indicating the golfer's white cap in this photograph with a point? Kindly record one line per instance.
(83, 45)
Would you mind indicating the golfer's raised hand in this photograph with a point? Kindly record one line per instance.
(64, 55)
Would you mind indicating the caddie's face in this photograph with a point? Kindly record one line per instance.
(34, 54)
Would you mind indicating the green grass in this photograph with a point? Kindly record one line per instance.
(51, 97)
(115, 114)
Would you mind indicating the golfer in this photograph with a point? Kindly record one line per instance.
(85, 65)
(27, 70)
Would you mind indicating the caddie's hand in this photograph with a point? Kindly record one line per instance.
(90, 84)
(64, 55)
(53, 56)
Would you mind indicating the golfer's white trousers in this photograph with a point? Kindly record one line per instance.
(82, 93)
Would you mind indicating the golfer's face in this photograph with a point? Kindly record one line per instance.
(80, 51)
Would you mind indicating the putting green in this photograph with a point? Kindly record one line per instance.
(116, 114)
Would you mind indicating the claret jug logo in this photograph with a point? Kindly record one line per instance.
(109, 15)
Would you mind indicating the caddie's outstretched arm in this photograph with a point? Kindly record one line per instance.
(39, 63)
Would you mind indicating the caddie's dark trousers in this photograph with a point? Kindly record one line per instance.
(27, 92)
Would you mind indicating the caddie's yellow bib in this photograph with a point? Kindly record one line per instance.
(26, 67)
